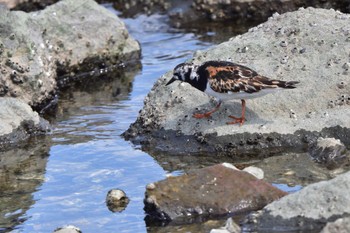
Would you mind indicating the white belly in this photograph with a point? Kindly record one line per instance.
(239, 95)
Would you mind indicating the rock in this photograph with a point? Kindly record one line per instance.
(206, 226)
(208, 192)
(329, 151)
(309, 209)
(68, 229)
(28, 5)
(66, 42)
(19, 121)
(184, 12)
(116, 200)
(165, 121)
(230, 227)
(341, 225)
(255, 171)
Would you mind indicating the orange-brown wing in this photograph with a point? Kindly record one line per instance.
(235, 78)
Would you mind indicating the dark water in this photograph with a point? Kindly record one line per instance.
(63, 178)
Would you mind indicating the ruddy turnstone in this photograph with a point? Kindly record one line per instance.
(225, 81)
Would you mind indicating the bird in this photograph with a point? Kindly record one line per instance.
(226, 80)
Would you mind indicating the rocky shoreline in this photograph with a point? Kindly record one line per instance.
(302, 46)
(44, 51)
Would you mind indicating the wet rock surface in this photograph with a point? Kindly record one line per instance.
(309, 45)
(184, 12)
(19, 121)
(213, 191)
(64, 40)
(307, 210)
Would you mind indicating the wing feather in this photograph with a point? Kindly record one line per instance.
(226, 77)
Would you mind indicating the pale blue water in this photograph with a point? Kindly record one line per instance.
(88, 157)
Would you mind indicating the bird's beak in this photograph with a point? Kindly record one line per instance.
(173, 79)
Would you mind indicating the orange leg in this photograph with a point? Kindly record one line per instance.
(207, 114)
(238, 119)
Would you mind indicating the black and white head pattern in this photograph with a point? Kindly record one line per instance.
(186, 72)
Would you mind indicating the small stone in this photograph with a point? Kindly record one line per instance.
(329, 151)
(255, 171)
(68, 229)
(116, 200)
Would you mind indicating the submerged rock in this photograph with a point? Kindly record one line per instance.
(208, 192)
(19, 121)
(315, 52)
(307, 210)
(329, 151)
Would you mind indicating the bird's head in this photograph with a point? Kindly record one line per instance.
(185, 72)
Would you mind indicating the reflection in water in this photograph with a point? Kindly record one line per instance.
(22, 171)
(87, 156)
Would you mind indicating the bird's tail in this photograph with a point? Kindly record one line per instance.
(273, 83)
(288, 84)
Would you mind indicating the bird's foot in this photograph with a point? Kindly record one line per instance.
(237, 120)
(207, 114)
(202, 115)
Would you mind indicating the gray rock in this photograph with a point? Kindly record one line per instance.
(309, 209)
(341, 225)
(182, 12)
(208, 192)
(68, 229)
(329, 151)
(116, 200)
(58, 43)
(19, 121)
(165, 121)
(255, 171)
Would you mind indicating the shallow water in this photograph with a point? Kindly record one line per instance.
(63, 178)
(85, 156)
